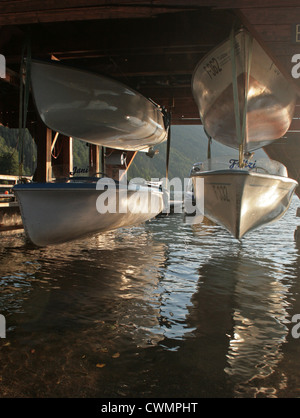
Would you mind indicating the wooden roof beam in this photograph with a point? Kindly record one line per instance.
(11, 78)
(72, 40)
(145, 65)
(254, 4)
(14, 6)
(280, 53)
(75, 14)
(124, 54)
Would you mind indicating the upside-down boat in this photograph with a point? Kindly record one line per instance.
(237, 85)
(95, 108)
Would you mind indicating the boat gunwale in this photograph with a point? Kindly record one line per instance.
(95, 74)
(237, 32)
(88, 186)
(245, 173)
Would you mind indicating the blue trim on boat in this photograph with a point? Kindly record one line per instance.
(71, 185)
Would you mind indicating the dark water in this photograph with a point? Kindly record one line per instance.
(159, 310)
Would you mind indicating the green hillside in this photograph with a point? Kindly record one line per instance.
(188, 146)
(10, 147)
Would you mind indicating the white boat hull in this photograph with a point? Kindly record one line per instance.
(242, 201)
(95, 109)
(54, 213)
(269, 96)
(287, 151)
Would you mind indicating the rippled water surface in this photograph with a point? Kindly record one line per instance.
(165, 309)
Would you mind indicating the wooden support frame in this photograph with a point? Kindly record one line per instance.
(117, 171)
(52, 162)
(94, 159)
(62, 157)
(43, 139)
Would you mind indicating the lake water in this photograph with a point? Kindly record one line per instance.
(162, 310)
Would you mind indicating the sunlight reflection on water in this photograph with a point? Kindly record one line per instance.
(163, 309)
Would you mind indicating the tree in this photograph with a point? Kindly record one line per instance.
(9, 163)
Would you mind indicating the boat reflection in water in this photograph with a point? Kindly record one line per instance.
(166, 309)
(105, 279)
(242, 311)
(259, 331)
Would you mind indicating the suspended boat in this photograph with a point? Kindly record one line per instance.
(242, 199)
(245, 103)
(99, 111)
(243, 98)
(57, 212)
(94, 108)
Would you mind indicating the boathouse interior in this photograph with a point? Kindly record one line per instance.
(152, 46)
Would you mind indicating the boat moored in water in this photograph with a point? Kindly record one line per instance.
(243, 199)
(58, 212)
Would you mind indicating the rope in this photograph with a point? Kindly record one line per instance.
(240, 126)
(209, 141)
(55, 156)
(168, 152)
(24, 99)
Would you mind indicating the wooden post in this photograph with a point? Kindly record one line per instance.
(62, 157)
(43, 139)
(115, 168)
(94, 159)
(103, 160)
